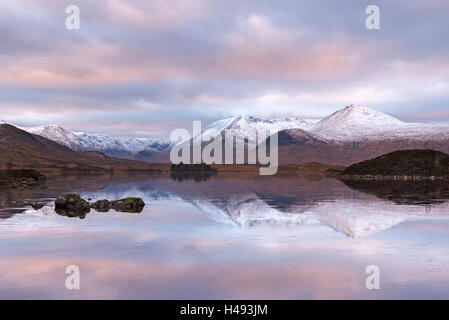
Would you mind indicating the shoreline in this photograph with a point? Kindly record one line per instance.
(369, 177)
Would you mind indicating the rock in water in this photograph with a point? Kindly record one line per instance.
(37, 205)
(133, 205)
(72, 205)
(101, 205)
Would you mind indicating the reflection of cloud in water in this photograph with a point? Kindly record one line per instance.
(300, 276)
(282, 244)
(116, 278)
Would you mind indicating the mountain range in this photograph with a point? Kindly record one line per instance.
(82, 141)
(352, 134)
(21, 149)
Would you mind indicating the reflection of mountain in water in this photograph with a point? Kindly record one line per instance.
(248, 210)
(404, 192)
(355, 218)
(293, 201)
(248, 202)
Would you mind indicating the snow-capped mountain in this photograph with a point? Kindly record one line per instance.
(98, 142)
(357, 123)
(352, 123)
(57, 134)
(248, 127)
(352, 134)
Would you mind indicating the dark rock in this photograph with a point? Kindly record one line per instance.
(72, 205)
(101, 205)
(37, 206)
(132, 205)
(71, 214)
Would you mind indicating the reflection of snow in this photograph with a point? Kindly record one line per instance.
(361, 218)
(213, 212)
(48, 210)
(112, 194)
(248, 210)
(354, 218)
(358, 220)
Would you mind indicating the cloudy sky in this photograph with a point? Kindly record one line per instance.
(146, 67)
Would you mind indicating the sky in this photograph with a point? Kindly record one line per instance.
(143, 68)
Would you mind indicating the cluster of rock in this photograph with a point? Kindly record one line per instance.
(72, 205)
(133, 205)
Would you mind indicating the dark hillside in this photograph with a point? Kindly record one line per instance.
(404, 163)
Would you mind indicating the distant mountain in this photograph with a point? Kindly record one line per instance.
(357, 123)
(298, 147)
(21, 149)
(355, 134)
(352, 134)
(247, 127)
(57, 134)
(117, 147)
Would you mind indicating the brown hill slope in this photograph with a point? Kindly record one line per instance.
(298, 147)
(20, 149)
(294, 148)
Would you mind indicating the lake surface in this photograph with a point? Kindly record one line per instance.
(228, 238)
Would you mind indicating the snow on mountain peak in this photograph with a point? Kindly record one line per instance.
(352, 123)
(248, 126)
(97, 142)
(57, 134)
(355, 123)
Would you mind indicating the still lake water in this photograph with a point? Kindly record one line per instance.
(228, 238)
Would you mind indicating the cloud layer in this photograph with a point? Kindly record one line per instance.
(149, 66)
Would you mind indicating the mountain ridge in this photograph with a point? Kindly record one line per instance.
(76, 140)
(21, 149)
(351, 134)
